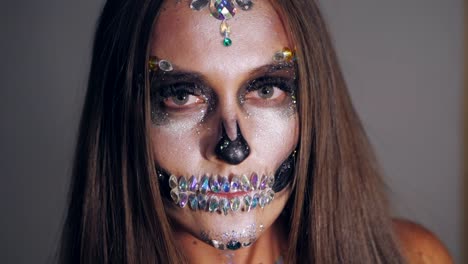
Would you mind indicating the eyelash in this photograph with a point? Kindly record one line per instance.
(284, 84)
(165, 92)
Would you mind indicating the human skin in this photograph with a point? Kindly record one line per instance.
(184, 140)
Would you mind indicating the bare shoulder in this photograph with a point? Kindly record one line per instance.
(419, 245)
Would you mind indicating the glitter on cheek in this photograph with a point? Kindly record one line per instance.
(179, 125)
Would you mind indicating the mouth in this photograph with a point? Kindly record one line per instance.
(226, 195)
(218, 194)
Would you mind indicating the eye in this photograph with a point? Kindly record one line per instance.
(181, 96)
(266, 92)
(183, 99)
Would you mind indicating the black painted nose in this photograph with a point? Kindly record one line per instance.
(232, 151)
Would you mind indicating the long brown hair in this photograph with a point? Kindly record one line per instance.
(338, 212)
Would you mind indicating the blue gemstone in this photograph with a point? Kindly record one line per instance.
(182, 184)
(193, 201)
(235, 183)
(225, 184)
(204, 184)
(255, 200)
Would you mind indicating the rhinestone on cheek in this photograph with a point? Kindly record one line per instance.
(193, 202)
(193, 184)
(263, 182)
(183, 200)
(254, 181)
(245, 183)
(213, 204)
(175, 195)
(271, 181)
(214, 184)
(224, 205)
(255, 199)
(225, 185)
(204, 184)
(202, 202)
(235, 183)
(182, 184)
(263, 200)
(173, 181)
(247, 203)
(235, 204)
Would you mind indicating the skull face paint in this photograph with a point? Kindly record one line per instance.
(214, 95)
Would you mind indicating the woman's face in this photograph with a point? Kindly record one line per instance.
(216, 98)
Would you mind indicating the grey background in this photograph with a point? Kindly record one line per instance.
(402, 61)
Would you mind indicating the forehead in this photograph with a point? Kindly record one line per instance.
(191, 39)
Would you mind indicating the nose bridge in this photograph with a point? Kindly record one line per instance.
(229, 109)
(232, 148)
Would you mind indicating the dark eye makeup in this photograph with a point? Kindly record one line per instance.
(180, 94)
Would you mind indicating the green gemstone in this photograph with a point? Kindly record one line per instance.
(227, 42)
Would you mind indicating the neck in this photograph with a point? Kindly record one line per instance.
(267, 249)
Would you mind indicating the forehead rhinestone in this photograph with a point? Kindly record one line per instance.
(222, 9)
(165, 65)
(198, 4)
(245, 4)
(152, 63)
(283, 55)
(224, 28)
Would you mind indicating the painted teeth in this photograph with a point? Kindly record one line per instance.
(193, 184)
(201, 194)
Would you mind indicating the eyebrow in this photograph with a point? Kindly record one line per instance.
(186, 75)
(272, 68)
